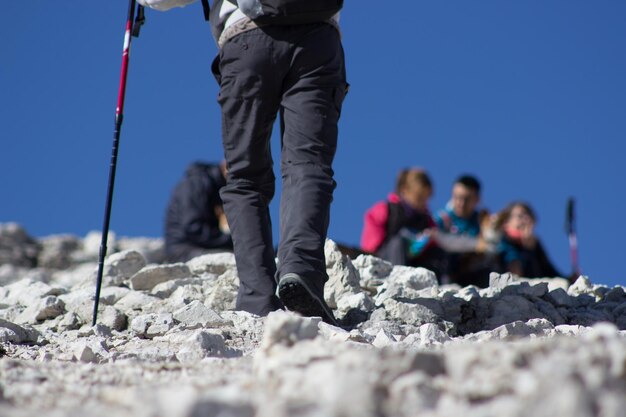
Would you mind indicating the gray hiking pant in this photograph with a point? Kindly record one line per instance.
(297, 71)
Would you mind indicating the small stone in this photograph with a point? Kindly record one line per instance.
(616, 294)
(89, 352)
(113, 318)
(70, 321)
(152, 325)
(499, 281)
(201, 345)
(196, 314)
(11, 332)
(560, 298)
(581, 286)
(384, 339)
(45, 308)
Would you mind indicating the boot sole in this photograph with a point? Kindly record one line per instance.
(297, 296)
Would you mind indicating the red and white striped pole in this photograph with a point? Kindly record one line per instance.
(119, 117)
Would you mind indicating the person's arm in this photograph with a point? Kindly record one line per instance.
(374, 227)
(510, 258)
(456, 243)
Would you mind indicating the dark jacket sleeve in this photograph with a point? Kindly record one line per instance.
(191, 217)
(546, 267)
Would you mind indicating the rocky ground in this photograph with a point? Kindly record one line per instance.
(168, 342)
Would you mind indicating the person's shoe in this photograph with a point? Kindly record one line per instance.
(297, 296)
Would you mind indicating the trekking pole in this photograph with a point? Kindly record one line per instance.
(119, 116)
(570, 228)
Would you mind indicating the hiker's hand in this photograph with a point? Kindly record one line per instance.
(222, 221)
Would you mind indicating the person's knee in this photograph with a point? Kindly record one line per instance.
(307, 174)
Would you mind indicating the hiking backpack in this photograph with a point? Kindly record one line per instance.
(164, 5)
(275, 12)
(288, 12)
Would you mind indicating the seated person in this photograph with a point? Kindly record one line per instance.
(470, 257)
(399, 229)
(520, 250)
(195, 223)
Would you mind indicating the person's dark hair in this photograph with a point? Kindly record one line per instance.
(504, 215)
(470, 182)
(413, 175)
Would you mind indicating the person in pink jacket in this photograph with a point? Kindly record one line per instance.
(401, 229)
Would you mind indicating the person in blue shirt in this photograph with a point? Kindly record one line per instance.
(459, 234)
(460, 216)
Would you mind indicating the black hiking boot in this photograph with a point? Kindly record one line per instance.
(298, 296)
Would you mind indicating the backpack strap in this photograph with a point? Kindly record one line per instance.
(395, 219)
(206, 9)
(140, 19)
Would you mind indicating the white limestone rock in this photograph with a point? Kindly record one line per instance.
(120, 266)
(166, 289)
(152, 249)
(511, 308)
(430, 334)
(203, 344)
(522, 347)
(113, 318)
(43, 309)
(283, 328)
(134, 300)
(152, 325)
(372, 270)
(212, 263)
(69, 321)
(90, 351)
(79, 302)
(56, 251)
(111, 295)
(343, 277)
(405, 283)
(581, 286)
(560, 298)
(13, 333)
(17, 247)
(152, 275)
(525, 289)
(91, 246)
(413, 278)
(27, 291)
(384, 339)
(222, 294)
(77, 276)
(360, 301)
(413, 314)
(196, 314)
(499, 281)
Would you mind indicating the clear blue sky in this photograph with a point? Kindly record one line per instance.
(530, 96)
